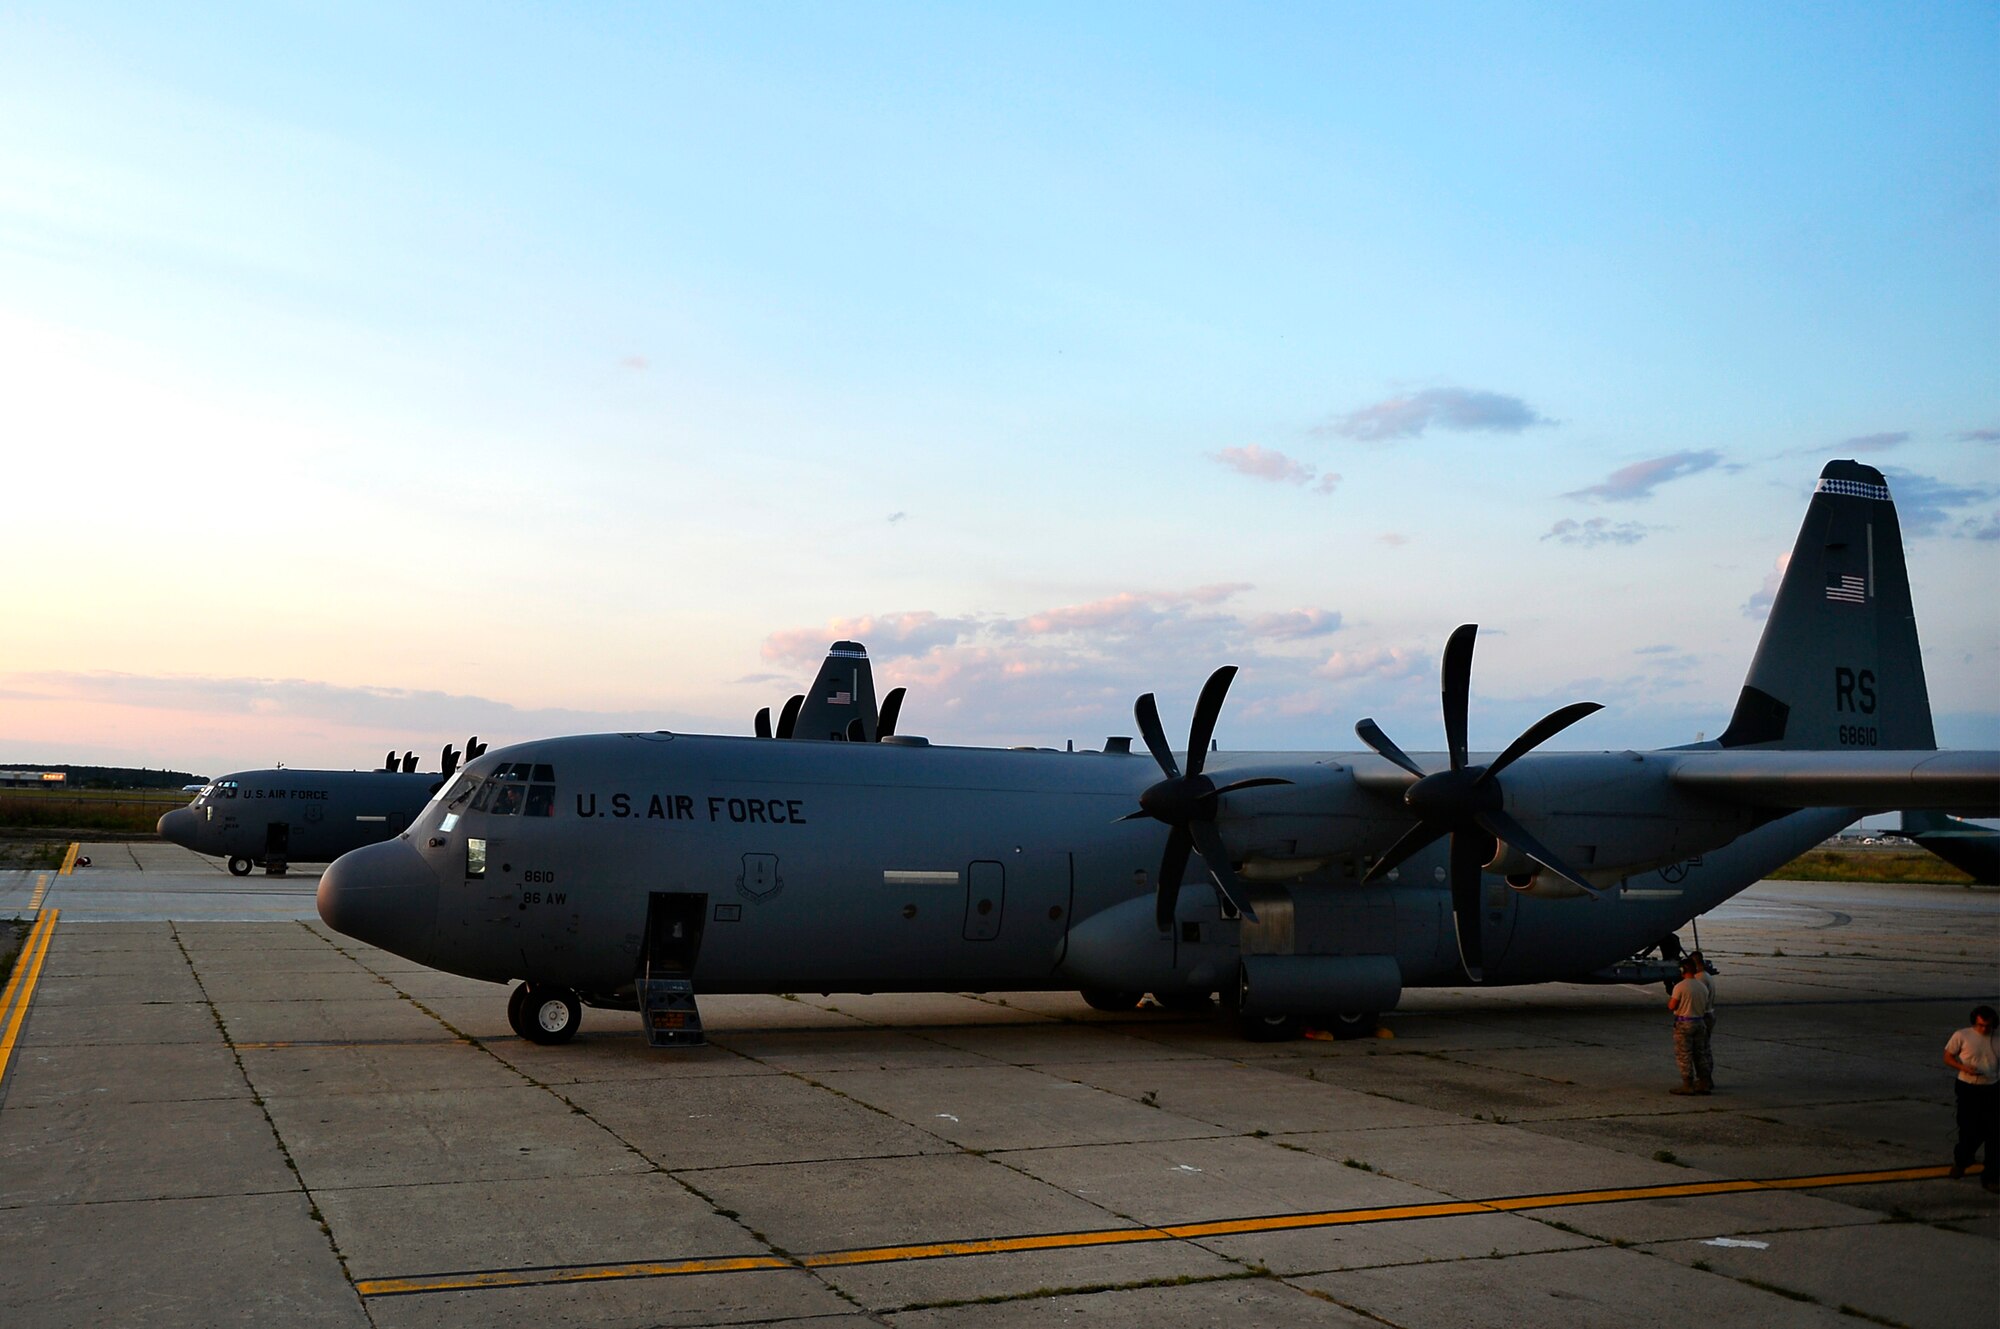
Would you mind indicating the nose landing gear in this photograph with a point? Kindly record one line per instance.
(239, 866)
(544, 1014)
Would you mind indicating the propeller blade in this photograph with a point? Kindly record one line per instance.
(892, 707)
(764, 722)
(409, 763)
(1457, 689)
(1147, 713)
(1207, 709)
(1208, 842)
(474, 748)
(1251, 783)
(1173, 866)
(857, 732)
(1503, 827)
(1536, 734)
(448, 760)
(788, 718)
(1371, 733)
(1467, 860)
(1412, 840)
(389, 763)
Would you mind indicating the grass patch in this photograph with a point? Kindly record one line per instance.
(1667, 1156)
(1872, 863)
(27, 853)
(121, 811)
(13, 934)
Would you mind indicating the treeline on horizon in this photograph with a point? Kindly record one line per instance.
(108, 777)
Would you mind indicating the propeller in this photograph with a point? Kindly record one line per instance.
(892, 706)
(448, 760)
(1186, 801)
(389, 762)
(1466, 801)
(409, 763)
(474, 749)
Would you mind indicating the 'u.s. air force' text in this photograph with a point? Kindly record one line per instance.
(689, 807)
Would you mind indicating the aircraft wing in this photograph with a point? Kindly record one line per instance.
(1965, 782)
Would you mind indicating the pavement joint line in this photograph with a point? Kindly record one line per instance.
(539, 1275)
(21, 987)
(69, 859)
(353, 1043)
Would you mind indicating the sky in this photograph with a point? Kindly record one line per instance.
(371, 376)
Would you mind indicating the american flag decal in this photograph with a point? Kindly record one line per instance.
(845, 698)
(1848, 590)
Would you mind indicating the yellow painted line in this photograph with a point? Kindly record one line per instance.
(1043, 1241)
(41, 889)
(21, 987)
(69, 860)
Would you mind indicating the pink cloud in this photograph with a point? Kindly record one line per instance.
(885, 635)
(1269, 464)
(1376, 662)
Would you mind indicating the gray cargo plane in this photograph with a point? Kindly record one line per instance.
(635, 871)
(268, 818)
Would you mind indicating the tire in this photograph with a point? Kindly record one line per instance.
(1345, 1025)
(239, 866)
(1268, 1028)
(549, 1015)
(517, 1009)
(1100, 1000)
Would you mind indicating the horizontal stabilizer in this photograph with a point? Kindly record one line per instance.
(1963, 782)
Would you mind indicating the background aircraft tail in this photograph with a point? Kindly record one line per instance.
(1839, 665)
(841, 698)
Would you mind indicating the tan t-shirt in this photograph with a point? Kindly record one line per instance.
(1976, 1050)
(1690, 998)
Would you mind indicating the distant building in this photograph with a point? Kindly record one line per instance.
(32, 779)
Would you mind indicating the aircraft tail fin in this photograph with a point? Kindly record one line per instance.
(1838, 665)
(843, 693)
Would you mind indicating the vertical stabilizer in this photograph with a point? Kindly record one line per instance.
(1838, 665)
(843, 693)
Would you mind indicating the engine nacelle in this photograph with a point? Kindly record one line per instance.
(1608, 815)
(1283, 832)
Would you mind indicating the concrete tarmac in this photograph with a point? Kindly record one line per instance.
(219, 1112)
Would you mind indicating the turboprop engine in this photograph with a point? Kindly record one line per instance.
(1618, 815)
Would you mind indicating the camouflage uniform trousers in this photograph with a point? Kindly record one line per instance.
(1691, 1051)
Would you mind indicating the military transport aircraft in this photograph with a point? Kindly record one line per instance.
(1966, 845)
(268, 818)
(637, 871)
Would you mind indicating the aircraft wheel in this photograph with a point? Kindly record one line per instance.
(239, 866)
(1344, 1025)
(549, 1015)
(517, 1009)
(1269, 1028)
(1100, 1000)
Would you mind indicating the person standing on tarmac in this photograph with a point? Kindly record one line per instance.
(1971, 1053)
(1707, 977)
(1689, 1003)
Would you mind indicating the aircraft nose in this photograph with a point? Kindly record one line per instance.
(177, 826)
(384, 894)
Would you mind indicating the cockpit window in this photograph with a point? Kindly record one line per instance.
(225, 788)
(517, 789)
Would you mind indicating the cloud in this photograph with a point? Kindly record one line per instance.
(1269, 464)
(1925, 504)
(1126, 613)
(1758, 606)
(633, 362)
(1631, 483)
(1876, 442)
(1979, 436)
(1376, 662)
(1975, 528)
(885, 636)
(1596, 531)
(1295, 624)
(895, 517)
(415, 716)
(1409, 415)
(1394, 539)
